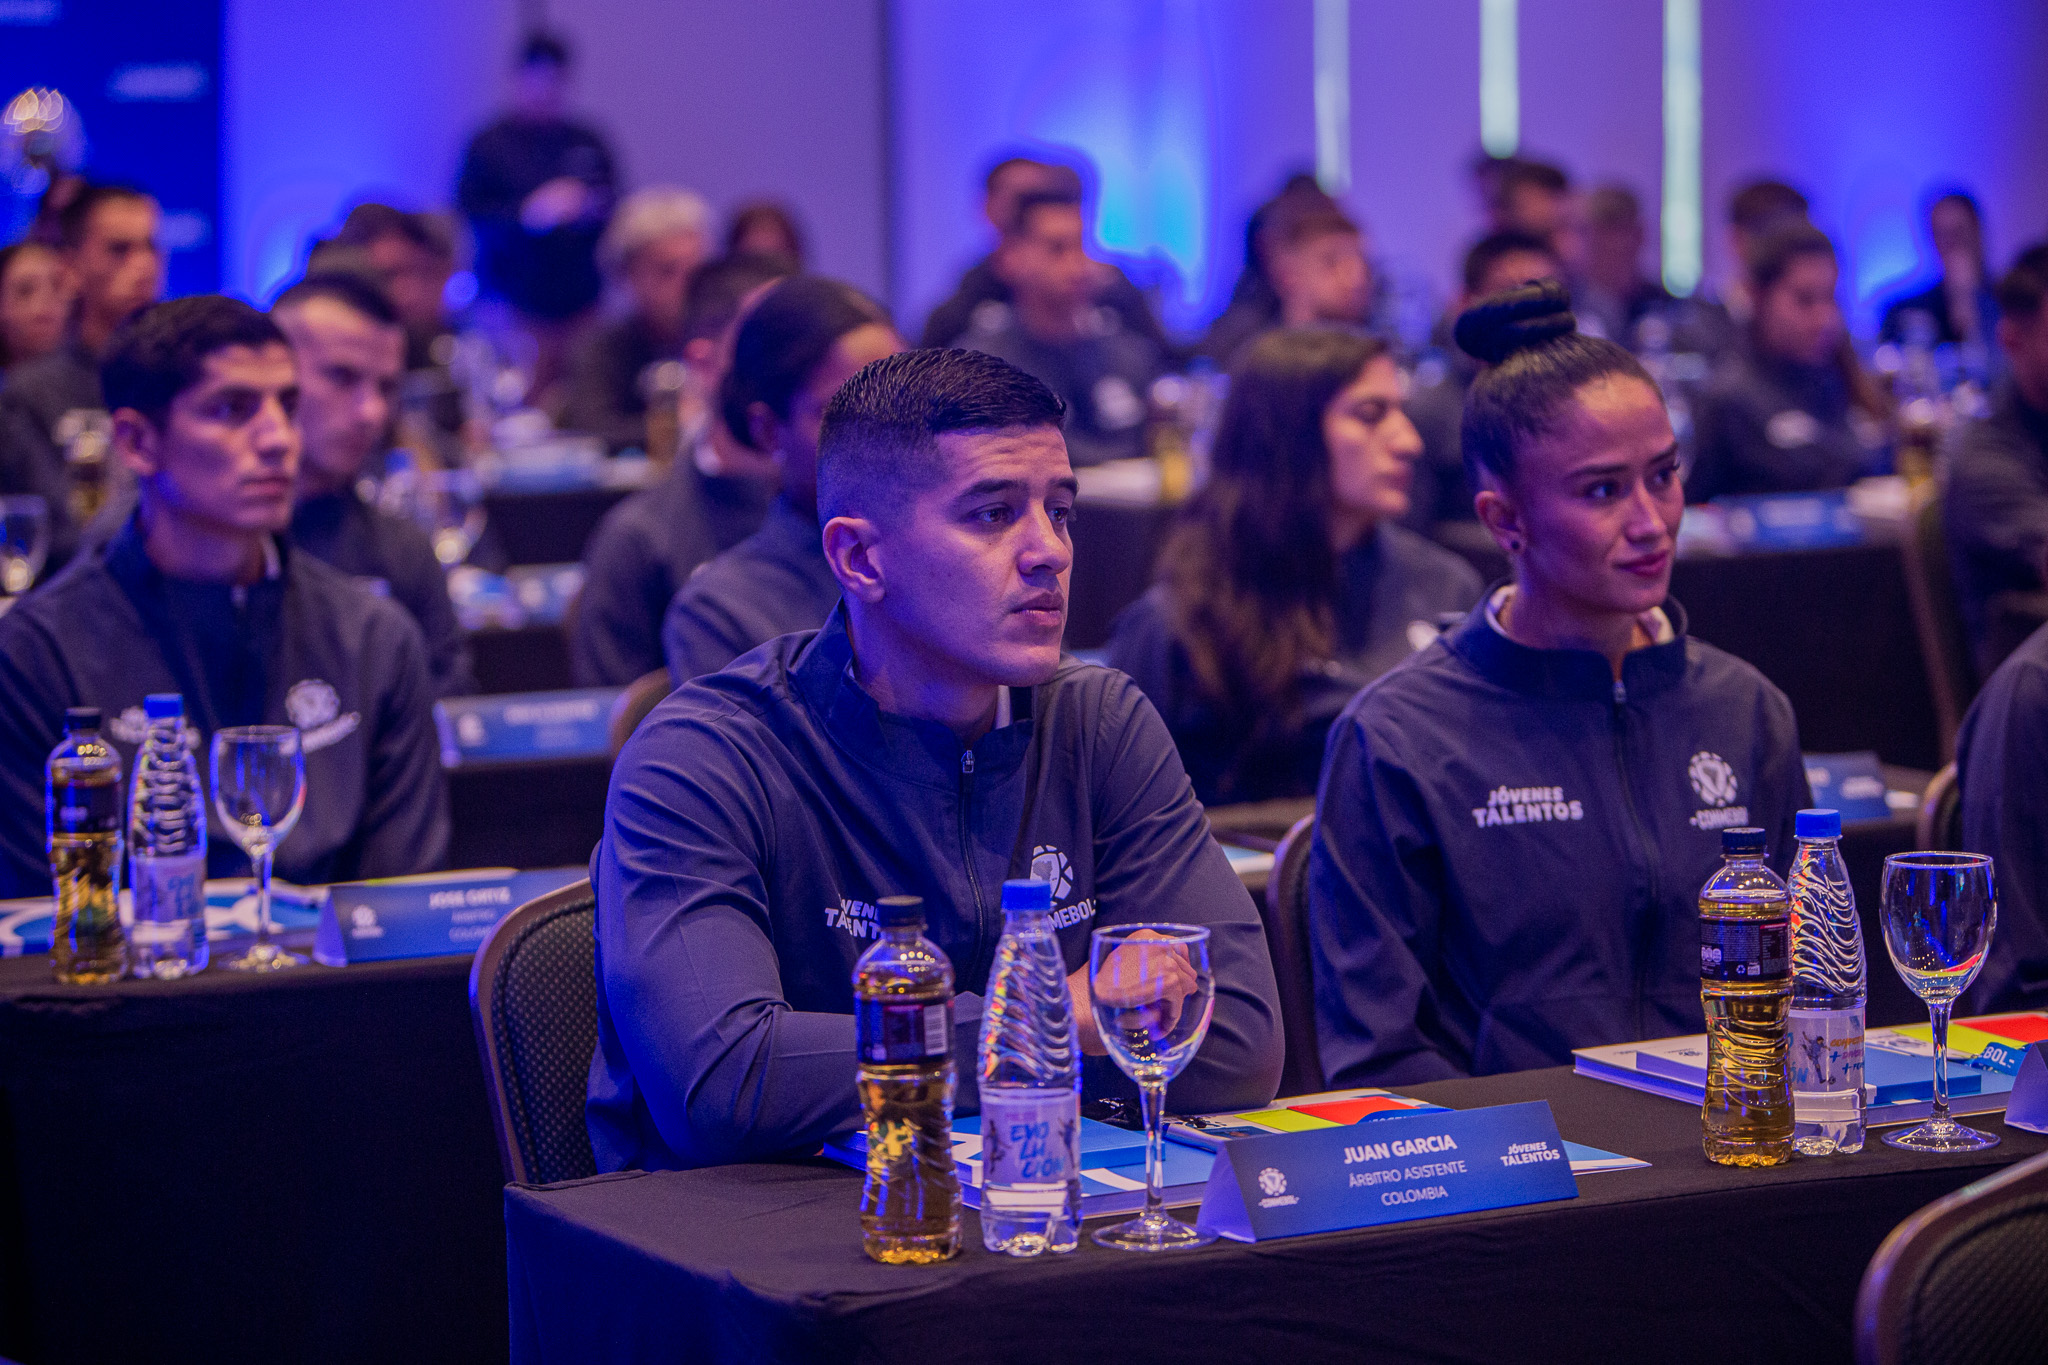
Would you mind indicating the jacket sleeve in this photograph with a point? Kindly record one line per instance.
(404, 825)
(1376, 894)
(1155, 859)
(614, 638)
(1996, 505)
(33, 695)
(727, 1069)
(2000, 756)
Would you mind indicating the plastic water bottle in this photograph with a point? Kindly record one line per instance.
(1830, 982)
(1030, 1070)
(1746, 992)
(903, 1038)
(82, 827)
(167, 848)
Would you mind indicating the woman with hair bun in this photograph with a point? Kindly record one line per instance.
(1513, 827)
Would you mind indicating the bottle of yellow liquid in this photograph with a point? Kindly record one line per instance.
(903, 994)
(1746, 991)
(82, 814)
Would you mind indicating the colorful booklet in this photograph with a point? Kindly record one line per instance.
(1898, 1066)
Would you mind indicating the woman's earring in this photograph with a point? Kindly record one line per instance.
(1515, 546)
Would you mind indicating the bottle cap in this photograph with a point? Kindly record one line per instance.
(1745, 840)
(901, 912)
(81, 718)
(1818, 824)
(1027, 893)
(163, 706)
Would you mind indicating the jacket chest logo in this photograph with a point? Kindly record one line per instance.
(1713, 782)
(1526, 805)
(315, 707)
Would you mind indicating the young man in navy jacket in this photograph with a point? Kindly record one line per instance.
(199, 593)
(928, 740)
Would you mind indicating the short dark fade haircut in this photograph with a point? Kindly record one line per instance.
(2021, 289)
(1536, 362)
(162, 351)
(344, 287)
(76, 216)
(1495, 245)
(878, 446)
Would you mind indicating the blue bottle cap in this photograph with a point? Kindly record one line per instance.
(900, 912)
(1818, 824)
(1027, 893)
(163, 706)
(1746, 840)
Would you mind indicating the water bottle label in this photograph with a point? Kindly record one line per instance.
(169, 888)
(82, 808)
(1745, 949)
(1032, 1137)
(900, 1032)
(1827, 1050)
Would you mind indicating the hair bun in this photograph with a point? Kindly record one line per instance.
(1514, 320)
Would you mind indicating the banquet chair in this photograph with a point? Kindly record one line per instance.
(642, 695)
(1964, 1280)
(533, 999)
(1938, 621)
(1940, 822)
(1285, 912)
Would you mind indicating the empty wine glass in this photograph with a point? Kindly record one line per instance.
(259, 788)
(448, 504)
(24, 542)
(1152, 993)
(1939, 912)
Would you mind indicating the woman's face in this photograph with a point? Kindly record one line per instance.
(1797, 317)
(1373, 446)
(1595, 505)
(35, 297)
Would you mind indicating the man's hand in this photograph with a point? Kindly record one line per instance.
(561, 200)
(1147, 969)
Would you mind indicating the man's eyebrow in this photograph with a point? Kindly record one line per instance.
(988, 487)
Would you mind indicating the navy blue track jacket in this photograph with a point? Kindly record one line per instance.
(1510, 845)
(759, 814)
(304, 646)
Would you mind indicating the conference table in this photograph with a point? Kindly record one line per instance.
(1683, 1261)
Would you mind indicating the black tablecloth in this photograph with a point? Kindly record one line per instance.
(295, 1167)
(1683, 1261)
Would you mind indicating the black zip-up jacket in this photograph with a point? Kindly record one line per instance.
(759, 814)
(1511, 842)
(304, 646)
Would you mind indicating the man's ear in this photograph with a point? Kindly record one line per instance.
(850, 544)
(1502, 520)
(137, 442)
(764, 429)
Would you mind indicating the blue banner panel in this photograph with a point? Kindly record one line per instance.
(143, 78)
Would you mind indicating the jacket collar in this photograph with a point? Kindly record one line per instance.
(129, 562)
(1567, 674)
(920, 751)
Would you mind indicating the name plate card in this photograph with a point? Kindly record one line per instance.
(1390, 1170)
(2027, 1106)
(429, 916)
(524, 725)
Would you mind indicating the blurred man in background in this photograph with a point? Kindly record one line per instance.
(108, 241)
(1612, 290)
(538, 190)
(1754, 210)
(1959, 307)
(1053, 330)
(351, 353)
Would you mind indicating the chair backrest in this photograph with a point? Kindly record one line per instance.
(533, 999)
(1940, 822)
(1286, 920)
(1964, 1280)
(641, 696)
(1938, 620)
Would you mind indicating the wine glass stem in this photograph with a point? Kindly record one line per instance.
(263, 901)
(1937, 1018)
(1152, 1095)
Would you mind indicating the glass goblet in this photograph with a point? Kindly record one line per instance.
(1939, 911)
(259, 788)
(1152, 993)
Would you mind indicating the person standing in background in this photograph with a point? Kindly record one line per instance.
(538, 189)
(656, 239)
(1959, 305)
(108, 242)
(35, 301)
(350, 350)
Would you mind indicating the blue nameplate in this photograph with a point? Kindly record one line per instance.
(424, 916)
(1791, 521)
(2027, 1106)
(1390, 1170)
(524, 725)
(1850, 783)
